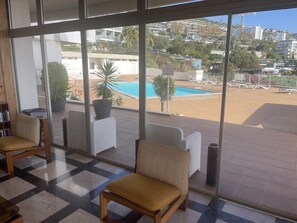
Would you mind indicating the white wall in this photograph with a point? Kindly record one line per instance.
(53, 54)
(37, 59)
(29, 62)
(24, 57)
(73, 67)
(153, 71)
(53, 51)
(26, 76)
(20, 13)
(127, 67)
(91, 35)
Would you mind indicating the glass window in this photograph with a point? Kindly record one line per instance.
(66, 84)
(29, 69)
(57, 11)
(259, 142)
(184, 82)
(101, 8)
(113, 56)
(23, 13)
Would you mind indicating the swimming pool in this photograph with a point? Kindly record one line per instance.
(132, 88)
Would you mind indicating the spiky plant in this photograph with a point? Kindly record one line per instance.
(104, 88)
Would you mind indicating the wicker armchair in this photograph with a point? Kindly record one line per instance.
(27, 140)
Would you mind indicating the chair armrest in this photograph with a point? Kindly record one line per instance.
(103, 135)
(193, 143)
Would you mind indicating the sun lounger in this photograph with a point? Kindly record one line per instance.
(232, 84)
(290, 90)
(217, 83)
(282, 90)
(245, 85)
(261, 87)
(191, 80)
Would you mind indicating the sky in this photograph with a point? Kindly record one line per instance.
(285, 20)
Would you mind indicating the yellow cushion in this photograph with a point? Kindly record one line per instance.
(147, 192)
(12, 143)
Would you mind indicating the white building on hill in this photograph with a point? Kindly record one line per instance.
(109, 34)
(287, 48)
(279, 36)
(254, 32)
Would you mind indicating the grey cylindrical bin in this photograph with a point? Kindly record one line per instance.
(212, 155)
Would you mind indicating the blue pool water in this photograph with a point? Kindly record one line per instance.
(132, 88)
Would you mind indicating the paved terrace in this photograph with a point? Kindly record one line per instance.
(258, 164)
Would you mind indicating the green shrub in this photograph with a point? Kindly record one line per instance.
(58, 81)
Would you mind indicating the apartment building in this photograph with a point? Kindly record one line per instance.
(253, 32)
(287, 48)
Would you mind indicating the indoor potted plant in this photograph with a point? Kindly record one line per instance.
(59, 86)
(104, 89)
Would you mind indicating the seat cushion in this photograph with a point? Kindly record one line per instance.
(147, 192)
(12, 143)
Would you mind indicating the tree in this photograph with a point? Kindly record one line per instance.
(160, 88)
(178, 46)
(92, 47)
(71, 47)
(231, 72)
(130, 37)
(265, 46)
(150, 39)
(274, 56)
(162, 59)
(242, 59)
(161, 43)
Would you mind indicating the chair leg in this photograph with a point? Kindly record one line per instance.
(18, 219)
(47, 140)
(157, 217)
(184, 205)
(103, 206)
(9, 162)
(48, 152)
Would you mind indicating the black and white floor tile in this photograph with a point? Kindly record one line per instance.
(66, 190)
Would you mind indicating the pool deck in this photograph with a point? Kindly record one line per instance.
(259, 151)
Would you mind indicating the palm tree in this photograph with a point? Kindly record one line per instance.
(149, 39)
(130, 37)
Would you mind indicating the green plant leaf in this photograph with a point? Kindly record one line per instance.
(105, 87)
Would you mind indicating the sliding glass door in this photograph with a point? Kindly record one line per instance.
(184, 87)
(65, 74)
(113, 60)
(259, 143)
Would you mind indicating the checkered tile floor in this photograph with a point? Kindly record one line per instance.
(66, 190)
